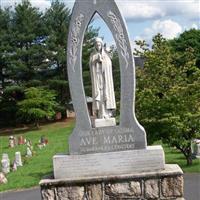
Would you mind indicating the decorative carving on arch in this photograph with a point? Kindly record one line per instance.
(75, 40)
(82, 14)
(119, 36)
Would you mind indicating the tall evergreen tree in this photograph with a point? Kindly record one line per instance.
(57, 21)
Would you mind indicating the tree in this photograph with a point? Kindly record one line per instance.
(56, 20)
(28, 53)
(38, 104)
(188, 39)
(5, 46)
(168, 97)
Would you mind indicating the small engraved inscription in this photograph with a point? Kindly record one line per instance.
(103, 140)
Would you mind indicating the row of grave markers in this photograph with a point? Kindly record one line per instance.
(6, 166)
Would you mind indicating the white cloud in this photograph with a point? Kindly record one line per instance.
(140, 11)
(152, 9)
(168, 28)
(41, 4)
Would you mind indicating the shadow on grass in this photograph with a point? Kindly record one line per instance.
(17, 131)
(40, 175)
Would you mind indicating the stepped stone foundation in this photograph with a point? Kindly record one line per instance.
(158, 185)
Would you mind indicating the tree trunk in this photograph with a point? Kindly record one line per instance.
(189, 160)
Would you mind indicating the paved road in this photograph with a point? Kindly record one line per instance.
(192, 190)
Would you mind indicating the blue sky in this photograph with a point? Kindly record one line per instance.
(144, 18)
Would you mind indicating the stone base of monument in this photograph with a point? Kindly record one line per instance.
(111, 163)
(166, 184)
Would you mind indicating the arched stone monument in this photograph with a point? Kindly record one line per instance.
(82, 14)
(105, 160)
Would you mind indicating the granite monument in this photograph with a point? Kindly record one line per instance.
(105, 160)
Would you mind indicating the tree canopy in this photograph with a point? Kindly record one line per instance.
(33, 55)
(168, 96)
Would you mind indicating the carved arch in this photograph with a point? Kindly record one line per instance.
(82, 14)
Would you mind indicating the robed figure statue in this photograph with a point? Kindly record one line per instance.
(102, 82)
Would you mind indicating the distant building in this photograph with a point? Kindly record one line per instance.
(139, 61)
(70, 110)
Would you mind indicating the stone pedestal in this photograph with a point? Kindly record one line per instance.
(166, 184)
(111, 163)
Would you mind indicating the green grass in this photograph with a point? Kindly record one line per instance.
(173, 156)
(40, 164)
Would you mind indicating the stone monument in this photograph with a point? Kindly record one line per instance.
(105, 160)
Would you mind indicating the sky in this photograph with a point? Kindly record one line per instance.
(144, 18)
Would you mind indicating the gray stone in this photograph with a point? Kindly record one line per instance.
(127, 186)
(3, 179)
(82, 13)
(48, 194)
(152, 189)
(103, 122)
(94, 191)
(124, 190)
(18, 159)
(5, 163)
(172, 187)
(112, 163)
(70, 193)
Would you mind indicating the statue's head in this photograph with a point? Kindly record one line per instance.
(98, 44)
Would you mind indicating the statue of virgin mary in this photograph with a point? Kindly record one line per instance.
(102, 82)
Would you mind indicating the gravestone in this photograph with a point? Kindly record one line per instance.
(195, 145)
(3, 179)
(11, 142)
(105, 158)
(18, 159)
(5, 163)
(5, 166)
(28, 152)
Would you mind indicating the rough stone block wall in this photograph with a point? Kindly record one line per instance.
(169, 187)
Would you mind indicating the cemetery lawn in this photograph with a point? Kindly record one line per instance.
(40, 164)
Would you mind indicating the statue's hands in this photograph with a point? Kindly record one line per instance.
(99, 58)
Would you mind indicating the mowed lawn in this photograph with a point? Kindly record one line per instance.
(41, 164)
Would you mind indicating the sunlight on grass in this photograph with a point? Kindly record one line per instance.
(41, 163)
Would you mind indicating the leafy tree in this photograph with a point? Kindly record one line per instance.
(188, 39)
(168, 97)
(38, 104)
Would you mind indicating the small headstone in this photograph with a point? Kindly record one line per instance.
(5, 164)
(28, 152)
(18, 159)
(15, 140)
(5, 156)
(29, 144)
(42, 140)
(11, 142)
(14, 167)
(3, 179)
(21, 140)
